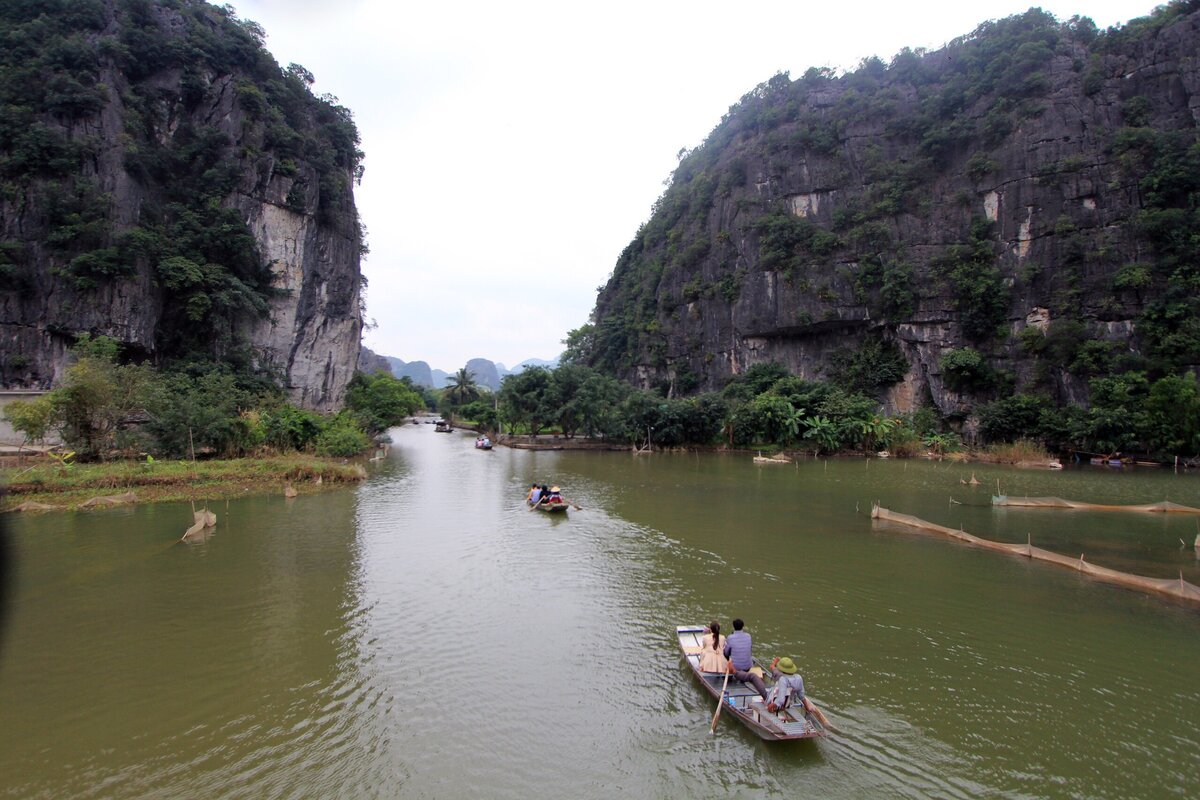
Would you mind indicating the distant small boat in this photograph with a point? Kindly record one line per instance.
(442, 426)
(1107, 462)
(483, 443)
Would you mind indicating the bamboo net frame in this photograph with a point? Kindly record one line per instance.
(1178, 590)
(1163, 507)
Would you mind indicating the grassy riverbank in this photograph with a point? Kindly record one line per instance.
(70, 486)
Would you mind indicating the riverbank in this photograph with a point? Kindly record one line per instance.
(1021, 454)
(72, 486)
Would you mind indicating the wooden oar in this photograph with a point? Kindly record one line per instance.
(821, 718)
(572, 505)
(720, 703)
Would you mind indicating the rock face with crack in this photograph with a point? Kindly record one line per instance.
(174, 189)
(1022, 193)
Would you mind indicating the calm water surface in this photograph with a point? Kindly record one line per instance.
(423, 635)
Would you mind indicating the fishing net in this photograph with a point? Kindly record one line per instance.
(110, 500)
(1164, 507)
(1172, 588)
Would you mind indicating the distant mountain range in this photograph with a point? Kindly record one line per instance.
(486, 373)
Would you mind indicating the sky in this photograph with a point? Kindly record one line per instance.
(513, 148)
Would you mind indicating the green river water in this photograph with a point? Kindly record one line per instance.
(423, 635)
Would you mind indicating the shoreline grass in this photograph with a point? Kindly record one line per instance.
(68, 487)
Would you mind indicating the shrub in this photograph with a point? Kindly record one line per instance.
(380, 401)
(204, 413)
(286, 427)
(965, 370)
(30, 417)
(869, 368)
(342, 437)
(1012, 418)
(975, 282)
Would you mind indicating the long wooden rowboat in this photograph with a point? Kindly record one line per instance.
(552, 508)
(743, 703)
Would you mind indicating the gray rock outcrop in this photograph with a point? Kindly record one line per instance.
(207, 111)
(907, 205)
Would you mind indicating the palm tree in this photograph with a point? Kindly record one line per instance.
(463, 388)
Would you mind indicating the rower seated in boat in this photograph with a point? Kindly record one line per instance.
(788, 688)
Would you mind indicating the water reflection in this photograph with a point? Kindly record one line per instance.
(426, 635)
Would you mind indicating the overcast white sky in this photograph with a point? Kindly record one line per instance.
(513, 148)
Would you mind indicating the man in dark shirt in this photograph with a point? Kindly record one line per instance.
(737, 650)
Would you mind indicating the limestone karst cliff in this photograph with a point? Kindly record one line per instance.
(167, 184)
(1014, 211)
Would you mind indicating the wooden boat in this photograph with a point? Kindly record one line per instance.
(552, 508)
(483, 443)
(441, 426)
(744, 704)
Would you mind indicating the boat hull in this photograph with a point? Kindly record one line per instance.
(741, 701)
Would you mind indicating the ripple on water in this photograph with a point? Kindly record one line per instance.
(424, 633)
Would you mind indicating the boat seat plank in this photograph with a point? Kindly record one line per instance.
(785, 724)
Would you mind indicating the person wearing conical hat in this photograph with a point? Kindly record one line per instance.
(788, 688)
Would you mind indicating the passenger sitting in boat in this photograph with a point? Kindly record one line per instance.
(545, 494)
(741, 661)
(711, 657)
(555, 497)
(788, 688)
(535, 494)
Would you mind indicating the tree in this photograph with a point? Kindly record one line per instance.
(97, 394)
(462, 388)
(597, 406)
(565, 383)
(380, 401)
(822, 432)
(342, 437)
(777, 418)
(289, 428)
(187, 413)
(875, 428)
(482, 413)
(1174, 408)
(580, 344)
(523, 399)
(30, 417)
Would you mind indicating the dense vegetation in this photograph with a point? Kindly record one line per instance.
(104, 409)
(80, 76)
(944, 125)
(766, 407)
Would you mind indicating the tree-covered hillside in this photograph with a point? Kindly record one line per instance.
(1010, 219)
(140, 144)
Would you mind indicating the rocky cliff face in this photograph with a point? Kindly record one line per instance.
(1011, 196)
(169, 186)
(371, 362)
(484, 373)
